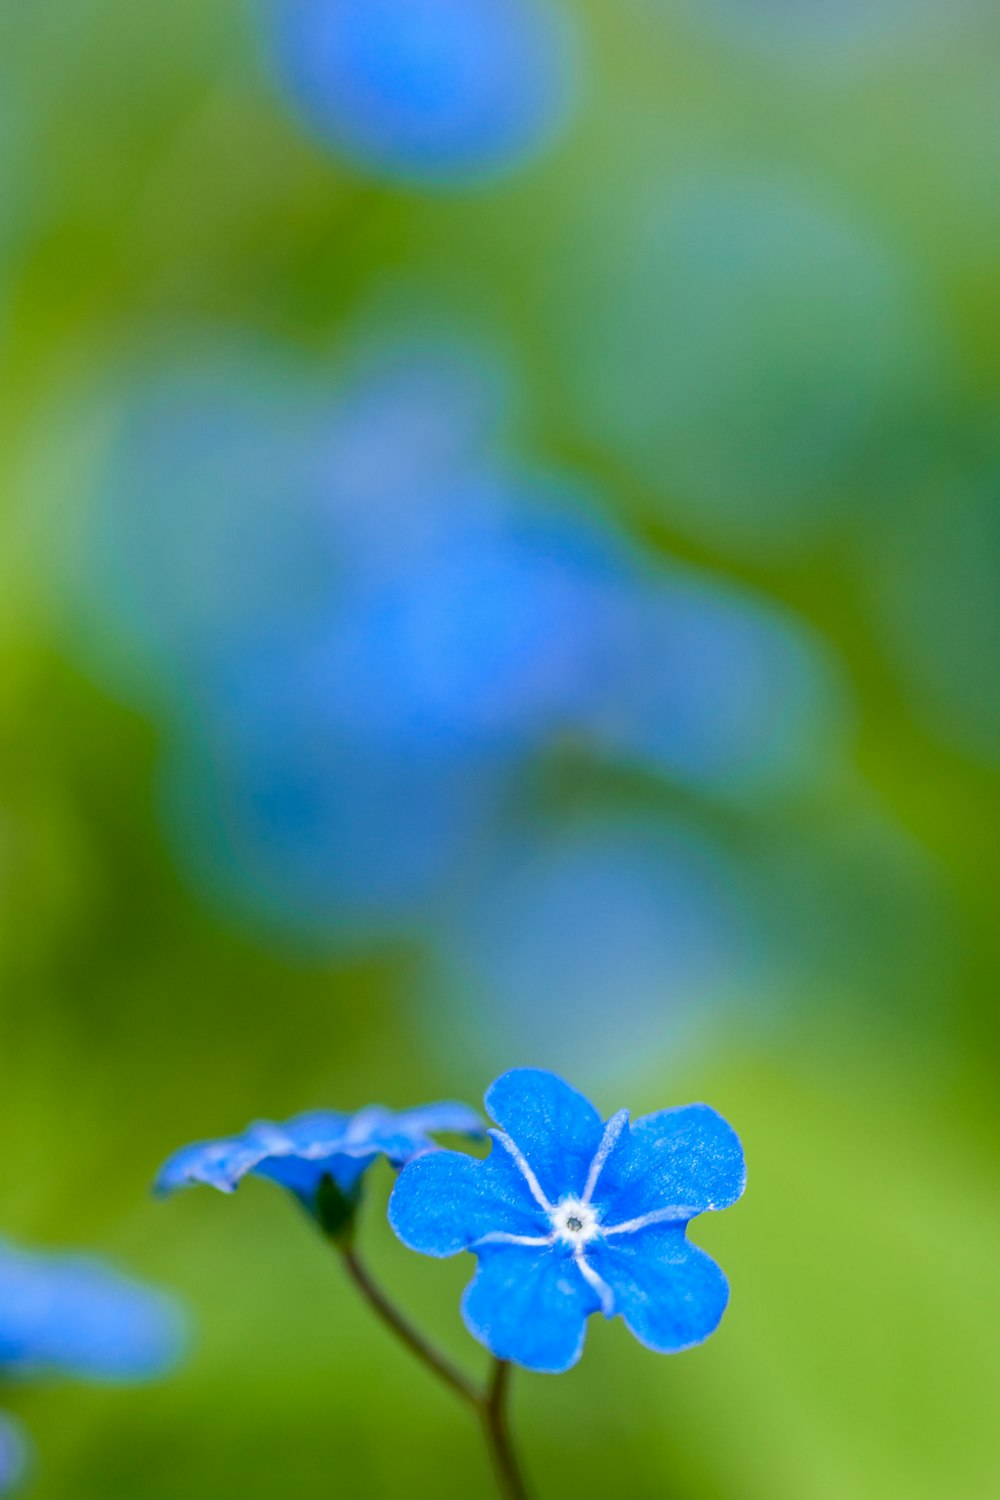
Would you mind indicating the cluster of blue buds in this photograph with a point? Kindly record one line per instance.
(74, 1315)
(568, 1215)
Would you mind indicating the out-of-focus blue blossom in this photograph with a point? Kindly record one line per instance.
(410, 412)
(241, 491)
(320, 1145)
(724, 690)
(13, 1455)
(748, 349)
(570, 1216)
(501, 634)
(937, 600)
(73, 1315)
(585, 947)
(428, 90)
(328, 842)
(369, 626)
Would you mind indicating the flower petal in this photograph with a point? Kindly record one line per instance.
(687, 1160)
(404, 1135)
(530, 1305)
(317, 1133)
(670, 1293)
(303, 1175)
(313, 1145)
(220, 1164)
(556, 1129)
(446, 1117)
(444, 1201)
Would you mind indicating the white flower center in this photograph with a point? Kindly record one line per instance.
(574, 1222)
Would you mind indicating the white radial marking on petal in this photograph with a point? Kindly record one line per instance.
(612, 1131)
(599, 1285)
(658, 1216)
(534, 1185)
(501, 1237)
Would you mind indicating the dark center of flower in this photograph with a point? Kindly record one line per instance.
(574, 1224)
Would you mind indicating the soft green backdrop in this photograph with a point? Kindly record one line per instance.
(151, 183)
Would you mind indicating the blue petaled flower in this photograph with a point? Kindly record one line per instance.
(570, 1216)
(319, 1151)
(71, 1314)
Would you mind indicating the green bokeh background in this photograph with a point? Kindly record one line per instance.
(150, 181)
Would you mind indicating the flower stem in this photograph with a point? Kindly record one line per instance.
(406, 1333)
(496, 1427)
(490, 1404)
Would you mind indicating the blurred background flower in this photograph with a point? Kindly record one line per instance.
(496, 566)
(73, 1315)
(433, 90)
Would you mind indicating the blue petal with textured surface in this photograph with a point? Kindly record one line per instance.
(530, 1304)
(446, 1202)
(555, 1128)
(671, 1294)
(689, 1159)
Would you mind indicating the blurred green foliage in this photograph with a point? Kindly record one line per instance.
(150, 185)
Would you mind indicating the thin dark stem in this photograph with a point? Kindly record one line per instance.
(496, 1426)
(489, 1404)
(408, 1335)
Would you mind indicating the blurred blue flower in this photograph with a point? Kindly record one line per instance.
(722, 689)
(13, 1455)
(327, 843)
(323, 1145)
(427, 90)
(501, 633)
(569, 1216)
(368, 627)
(73, 1315)
(587, 945)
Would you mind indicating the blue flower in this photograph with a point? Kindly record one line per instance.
(13, 1455)
(315, 1152)
(71, 1314)
(599, 939)
(569, 1216)
(427, 90)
